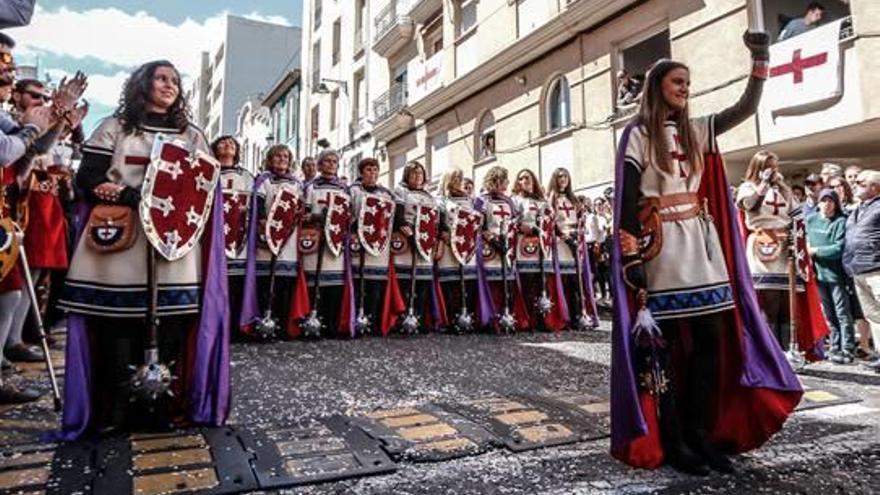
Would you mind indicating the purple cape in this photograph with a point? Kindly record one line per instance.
(250, 306)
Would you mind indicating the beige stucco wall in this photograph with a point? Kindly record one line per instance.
(705, 34)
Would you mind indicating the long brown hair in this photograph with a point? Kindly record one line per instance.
(653, 114)
(537, 190)
(760, 162)
(132, 109)
(553, 187)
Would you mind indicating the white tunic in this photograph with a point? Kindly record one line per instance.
(498, 212)
(689, 276)
(528, 255)
(768, 212)
(448, 266)
(411, 199)
(566, 223)
(319, 194)
(286, 264)
(375, 267)
(115, 284)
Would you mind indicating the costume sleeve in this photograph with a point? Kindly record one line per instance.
(14, 144)
(747, 197)
(633, 166)
(97, 157)
(16, 13)
(747, 105)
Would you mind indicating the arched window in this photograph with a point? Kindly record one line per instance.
(558, 105)
(484, 136)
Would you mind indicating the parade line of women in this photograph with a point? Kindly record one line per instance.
(696, 371)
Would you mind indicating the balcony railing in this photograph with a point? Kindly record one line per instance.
(390, 15)
(390, 101)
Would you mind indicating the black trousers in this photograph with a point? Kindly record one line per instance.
(329, 309)
(119, 344)
(283, 291)
(452, 297)
(774, 305)
(687, 409)
(373, 299)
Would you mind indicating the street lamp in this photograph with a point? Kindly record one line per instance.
(323, 89)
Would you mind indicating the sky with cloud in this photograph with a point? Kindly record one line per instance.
(108, 39)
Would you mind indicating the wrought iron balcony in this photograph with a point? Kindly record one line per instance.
(390, 101)
(394, 29)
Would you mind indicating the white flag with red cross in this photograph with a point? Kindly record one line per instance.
(805, 71)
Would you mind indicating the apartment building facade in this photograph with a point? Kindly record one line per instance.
(532, 84)
(249, 60)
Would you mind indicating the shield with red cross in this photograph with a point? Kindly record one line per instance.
(338, 221)
(284, 215)
(235, 206)
(177, 194)
(466, 228)
(374, 224)
(427, 229)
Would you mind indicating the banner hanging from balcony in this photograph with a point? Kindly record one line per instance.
(806, 72)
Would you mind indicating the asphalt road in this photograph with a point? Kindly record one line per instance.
(833, 449)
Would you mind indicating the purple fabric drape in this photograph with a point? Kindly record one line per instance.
(77, 382)
(587, 275)
(209, 389)
(250, 306)
(557, 281)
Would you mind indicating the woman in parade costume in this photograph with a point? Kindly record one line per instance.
(541, 294)
(767, 205)
(373, 207)
(415, 204)
(267, 186)
(500, 218)
(106, 289)
(238, 184)
(677, 253)
(328, 210)
(454, 273)
(573, 232)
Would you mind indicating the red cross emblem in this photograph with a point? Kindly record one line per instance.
(798, 65)
(775, 204)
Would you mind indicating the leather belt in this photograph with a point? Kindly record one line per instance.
(662, 203)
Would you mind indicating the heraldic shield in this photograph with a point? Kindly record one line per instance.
(427, 225)
(235, 206)
(374, 224)
(547, 227)
(177, 193)
(284, 214)
(464, 236)
(338, 221)
(8, 246)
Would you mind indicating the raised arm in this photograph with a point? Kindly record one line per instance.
(758, 44)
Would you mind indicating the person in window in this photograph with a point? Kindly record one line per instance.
(488, 144)
(628, 88)
(812, 17)
(683, 297)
